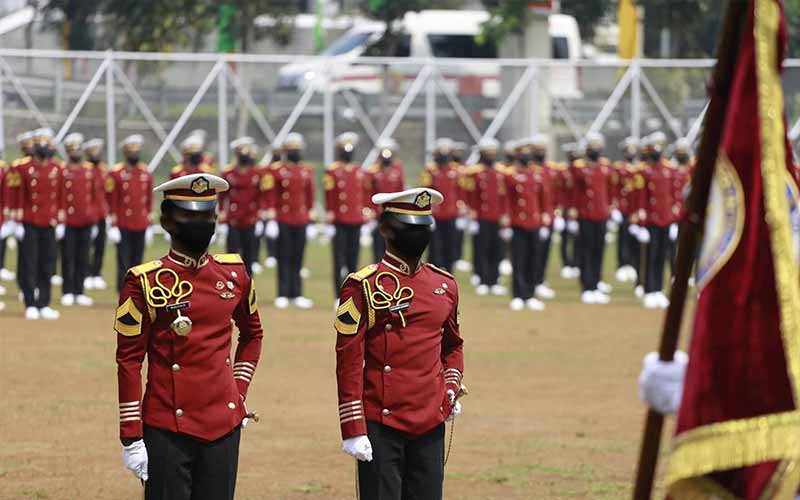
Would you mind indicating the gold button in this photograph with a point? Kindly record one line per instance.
(389, 327)
(179, 412)
(231, 405)
(385, 412)
(176, 367)
(387, 369)
(228, 361)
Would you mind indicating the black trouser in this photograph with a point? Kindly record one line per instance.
(444, 245)
(130, 252)
(98, 249)
(458, 252)
(3, 253)
(625, 244)
(489, 249)
(402, 468)
(291, 248)
(22, 264)
(656, 258)
(242, 240)
(39, 248)
(75, 258)
(345, 252)
(568, 248)
(542, 257)
(591, 241)
(524, 248)
(182, 468)
(272, 247)
(476, 257)
(378, 246)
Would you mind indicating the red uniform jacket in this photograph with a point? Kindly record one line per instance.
(182, 169)
(241, 204)
(82, 193)
(381, 179)
(546, 181)
(292, 193)
(487, 192)
(389, 373)
(345, 192)
(683, 176)
(131, 196)
(636, 192)
(39, 193)
(446, 180)
(193, 388)
(592, 189)
(3, 208)
(661, 208)
(101, 209)
(523, 198)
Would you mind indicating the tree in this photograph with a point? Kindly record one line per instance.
(792, 12)
(242, 13)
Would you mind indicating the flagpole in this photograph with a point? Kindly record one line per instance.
(691, 227)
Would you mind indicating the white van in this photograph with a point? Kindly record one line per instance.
(431, 33)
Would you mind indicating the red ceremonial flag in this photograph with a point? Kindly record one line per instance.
(738, 429)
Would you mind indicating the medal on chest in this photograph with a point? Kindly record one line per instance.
(160, 294)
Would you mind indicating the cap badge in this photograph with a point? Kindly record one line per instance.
(199, 185)
(423, 200)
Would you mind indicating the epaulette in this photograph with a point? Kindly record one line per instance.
(275, 165)
(604, 161)
(364, 272)
(375, 168)
(228, 258)
(228, 168)
(579, 164)
(145, 268)
(118, 167)
(440, 270)
(20, 161)
(333, 166)
(176, 169)
(205, 167)
(88, 165)
(143, 167)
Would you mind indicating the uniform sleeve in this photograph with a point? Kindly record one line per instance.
(15, 192)
(223, 201)
(370, 188)
(503, 205)
(329, 184)
(425, 178)
(132, 325)
(452, 347)
(248, 351)
(269, 194)
(310, 189)
(351, 326)
(149, 202)
(640, 205)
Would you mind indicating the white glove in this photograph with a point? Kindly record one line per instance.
(259, 229)
(474, 227)
(359, 448)
(559, 225)
(544, 233)
(366, 229)
(661, 382)
(223, 230)
(634, 230)
(330, 230)
(271, 230)
(455, 411)
(365, 240)
(462, 223)
(19, 232)
(148, 235)
(311, 232)
(616, 216)
(611, 226)
(573, 227)
(506, 234)
(114, 236)
(7, 229)
(60, 230)
(95, 232)
(134, 458)
(643, 235)
(673, 232)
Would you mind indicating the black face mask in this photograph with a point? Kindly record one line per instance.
(244, 159)
(630, 158)
(538, 157)
(195, 235)
(412, 240)
(441, 158)
(386, 161)
(593, 155)
(40, 150)
(682, 158)
(655, 155)
(345, 156)
(195, 158)
(486, 159)
(75, 157)
(133, 160)
(524, 158)
(294, 156)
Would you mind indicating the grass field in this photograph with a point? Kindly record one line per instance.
(552, 412)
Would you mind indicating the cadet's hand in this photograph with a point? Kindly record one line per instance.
(559, 225)
(573, 227)
(95, 232)
(19, 231)
(661, 382)
(643, 235)
(148, 235)
(272, 230)
(134, 458)
(462, 223)
(673, 232)
(60, 230)
(506, 234)
(616, 216)
(474, 227)
(359, 448)
(455, 411)
(223, 230)
(114, 236)
(259, 229)
(7, 229)
(544, 233)
(311, 231)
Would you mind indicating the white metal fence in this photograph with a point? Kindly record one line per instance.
(164, 95)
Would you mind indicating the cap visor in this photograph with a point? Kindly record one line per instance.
(417, 220)
(196, 206)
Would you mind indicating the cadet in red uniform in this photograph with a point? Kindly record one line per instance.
(293, 195)
(241, 204)
(193, 157)
(83, 191)
(566, 192)
(182, 438)
(35, 203)
(684, 166)
(526, 221)
(93, 149)
(6, 225)
(399, 357)
(593, 203)
(459, 159)
(546, 175)
(385, 176)
(130, 201)
(442, 175)
(489, 207)
(345, 207)
(12, 214)
(623, 181)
